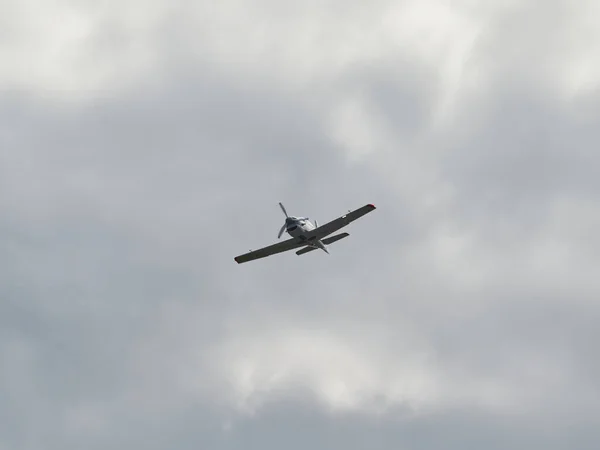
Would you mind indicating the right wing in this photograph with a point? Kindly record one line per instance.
(270, 250)
(340, 222)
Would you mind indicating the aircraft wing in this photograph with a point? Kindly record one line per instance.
(270, 250)
(331, 227)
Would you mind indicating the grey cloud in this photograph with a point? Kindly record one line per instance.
(83, 282)
(126, 322)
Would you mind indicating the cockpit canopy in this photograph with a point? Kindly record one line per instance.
(292, 222)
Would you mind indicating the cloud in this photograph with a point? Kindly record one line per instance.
(145, 145)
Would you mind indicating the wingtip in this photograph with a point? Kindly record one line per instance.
(371, 205)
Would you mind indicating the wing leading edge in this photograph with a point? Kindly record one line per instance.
(331, 227)
(270, 250)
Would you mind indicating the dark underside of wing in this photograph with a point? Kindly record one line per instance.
(270, 250)
(340, 222)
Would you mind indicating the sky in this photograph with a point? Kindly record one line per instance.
(145, 144)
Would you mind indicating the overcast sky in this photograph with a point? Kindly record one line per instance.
(144, 144)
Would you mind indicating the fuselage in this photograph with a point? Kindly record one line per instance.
(300, 227)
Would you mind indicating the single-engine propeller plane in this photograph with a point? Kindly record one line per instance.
(306, 234)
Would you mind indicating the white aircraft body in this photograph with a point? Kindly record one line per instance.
(306, 234)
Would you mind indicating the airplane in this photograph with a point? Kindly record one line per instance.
(306, 234)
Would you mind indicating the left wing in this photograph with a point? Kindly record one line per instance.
(270, 250)
(340, 222)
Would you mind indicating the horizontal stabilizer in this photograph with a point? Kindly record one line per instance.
(335, 238)
(327, 241)
(305, 250)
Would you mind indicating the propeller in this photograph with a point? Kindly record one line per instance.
(285, 224)
(283, 209)
(281, 231)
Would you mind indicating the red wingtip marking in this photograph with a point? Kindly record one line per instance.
(371, 205)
